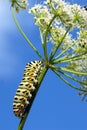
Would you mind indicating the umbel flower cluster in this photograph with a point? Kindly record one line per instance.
(65, 26)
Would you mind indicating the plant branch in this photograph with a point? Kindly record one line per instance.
(72, 86)
(65, 50)
(41, 37)
(45, 38)
(77, 57)
(72, 78)
(55, 47)
(23, 34)
(57, 68)
(73, 71)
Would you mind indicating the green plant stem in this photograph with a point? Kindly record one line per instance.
(73, 59)
(57, 68)
(72, 86)
(77, 57)
(41, 37)
(65, 50)
(73, 71)
(56, 61)
(45, 38)
(82, 83)
(56, 47)
(23, 120)
(23, 34)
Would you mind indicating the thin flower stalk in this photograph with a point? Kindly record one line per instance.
(57, 57)
(73, 58)
(73, 72)
(68, 76)
(57, 68)
(41, 37)
(23, 34)
(45, 38)
(55, 47)
(69, 84)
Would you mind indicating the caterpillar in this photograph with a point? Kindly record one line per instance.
(27, 87)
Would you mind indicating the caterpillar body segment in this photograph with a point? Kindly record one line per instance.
(27, 87)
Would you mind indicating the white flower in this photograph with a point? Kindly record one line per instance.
(65, 25)
(19, 4)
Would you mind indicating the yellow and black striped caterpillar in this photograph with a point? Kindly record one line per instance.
(27, 87)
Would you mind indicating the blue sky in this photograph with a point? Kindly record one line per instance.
(56, 107)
